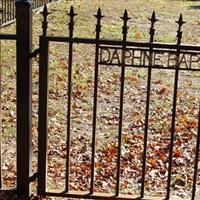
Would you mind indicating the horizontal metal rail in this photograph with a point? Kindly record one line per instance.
(8, 36)
(157, 45)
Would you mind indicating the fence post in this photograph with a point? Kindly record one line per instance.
(24, 96)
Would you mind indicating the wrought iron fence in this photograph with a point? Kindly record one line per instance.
(120, 54)
(7, 9)
(38, 3)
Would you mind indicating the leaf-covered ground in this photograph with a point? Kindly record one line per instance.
(108, 102)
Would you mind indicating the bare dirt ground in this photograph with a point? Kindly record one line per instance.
(108, 101)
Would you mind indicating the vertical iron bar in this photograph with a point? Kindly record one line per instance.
(7, 15)
(9, 9)
(125, 19)
(1, 13)
(13, 8)
(2, 7)
(24, 96)
(5, 10)
(71, 31)
(43, 106)
(96, 74)
(152, 32)
(196, 159)
(173, 122)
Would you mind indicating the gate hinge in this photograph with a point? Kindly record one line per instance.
(33, 177)
(35, 53)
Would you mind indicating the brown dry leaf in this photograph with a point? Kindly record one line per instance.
(158, 82)
(177, 153)
(152, 162)
(164, 90)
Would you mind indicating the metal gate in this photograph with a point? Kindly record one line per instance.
(106, 53)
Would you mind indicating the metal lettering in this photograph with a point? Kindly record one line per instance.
(135, 57)
(115, 56)
(146, 56)
(172, 58)
(194, 61)
(157, 58)
(183, 60)
(141, 57)
(104, 55)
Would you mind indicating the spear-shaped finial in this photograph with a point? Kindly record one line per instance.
(45, 13)
(71, 14)
(180, 23)
(125, 18)
(153, 20)
(98, 16)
